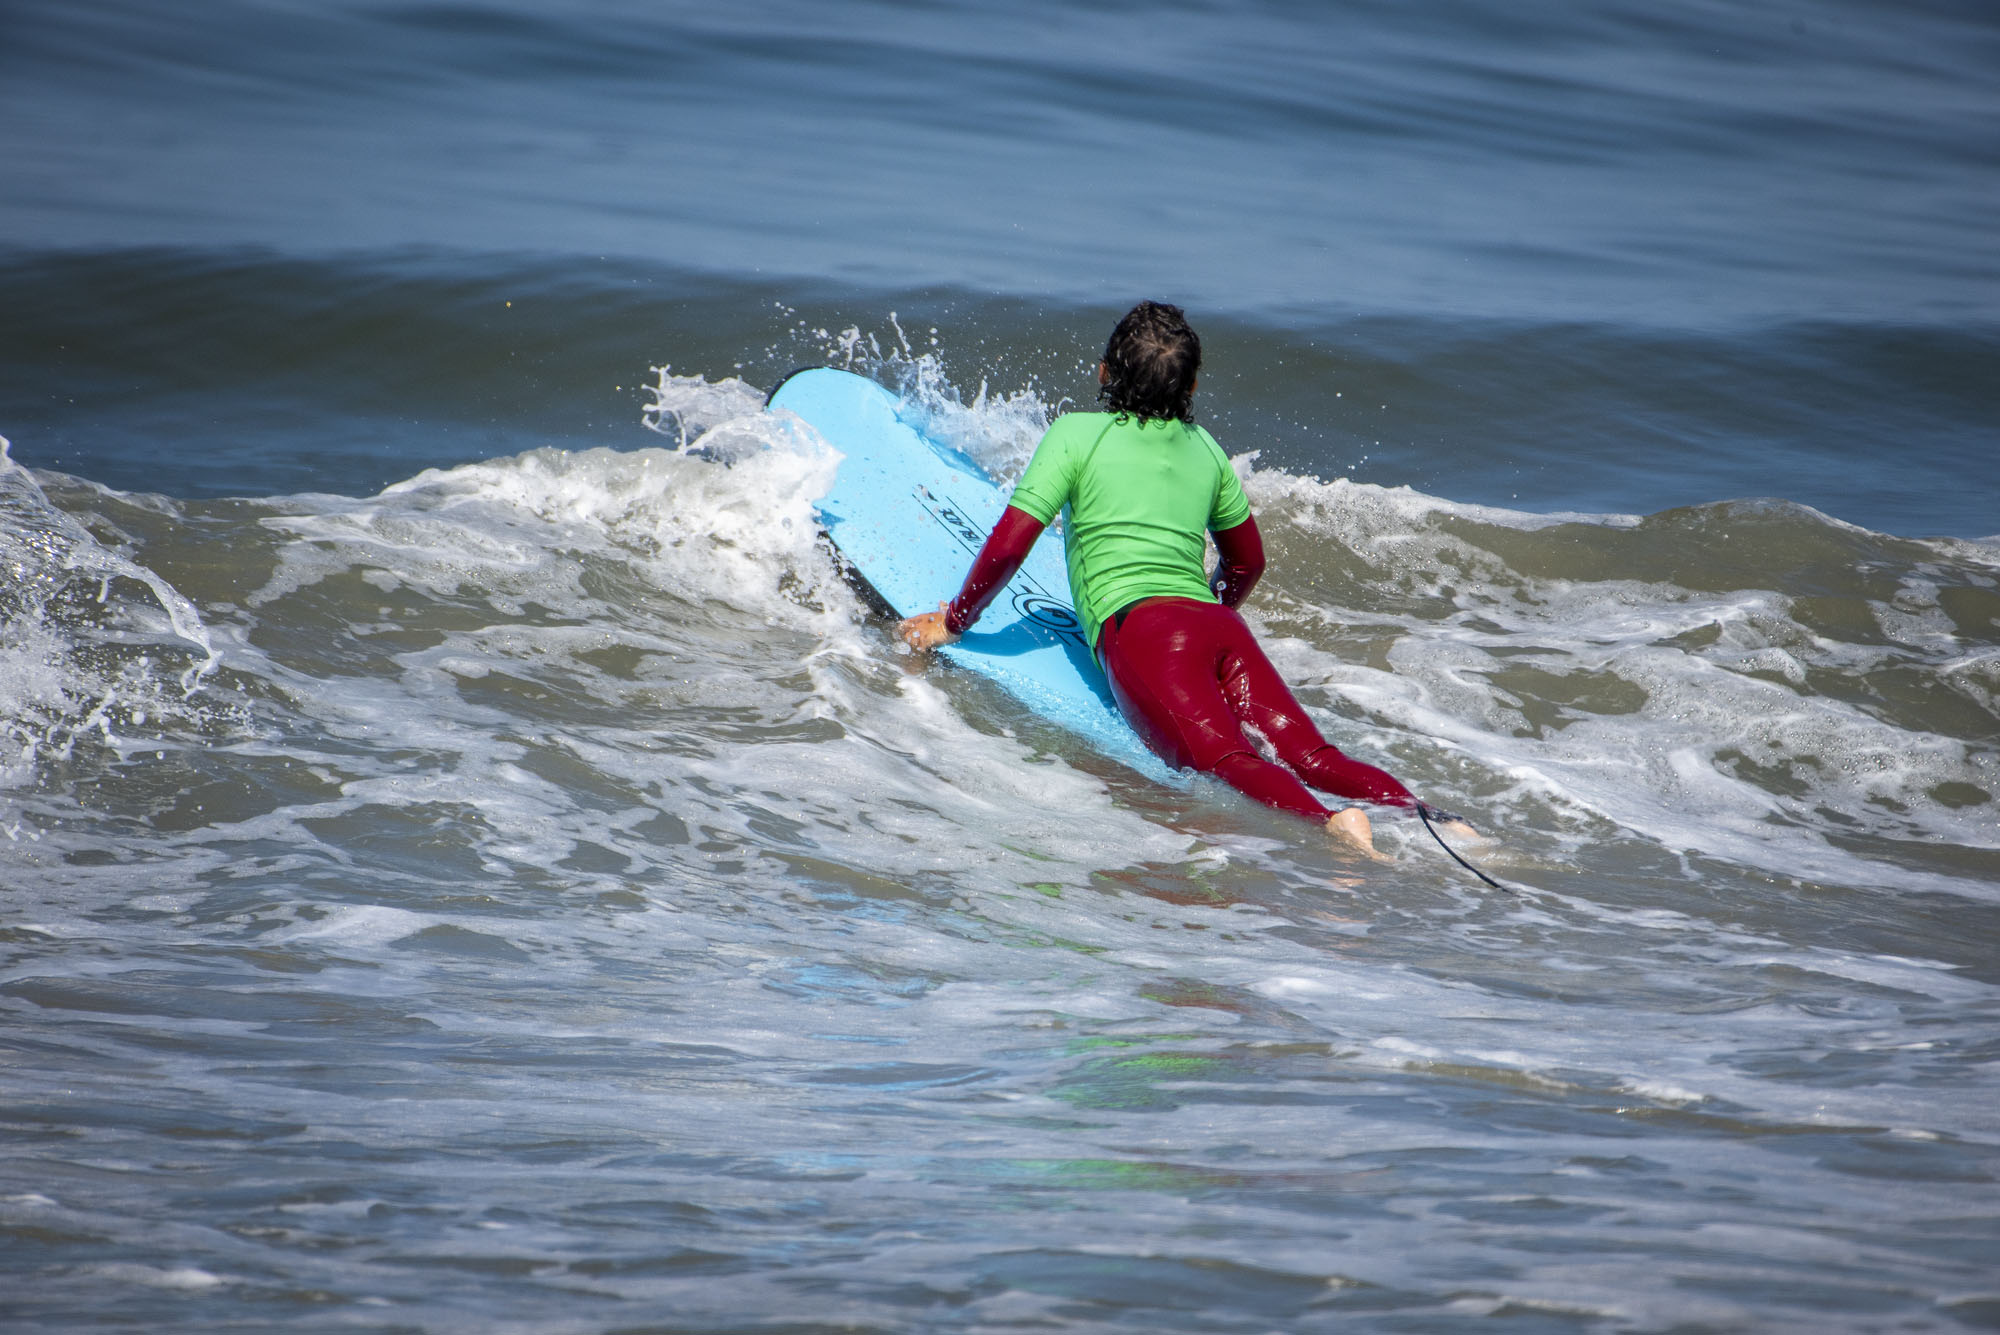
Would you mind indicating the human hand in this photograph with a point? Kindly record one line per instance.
(926, 630)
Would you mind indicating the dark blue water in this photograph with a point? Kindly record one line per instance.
(1620, 261)
(469, 862)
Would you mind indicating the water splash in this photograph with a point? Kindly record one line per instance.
(91, 641)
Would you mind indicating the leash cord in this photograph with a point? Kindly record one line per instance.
(1424, 810)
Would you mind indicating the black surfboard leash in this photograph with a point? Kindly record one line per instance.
(1424, 813)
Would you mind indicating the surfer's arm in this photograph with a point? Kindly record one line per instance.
(1242, 551)
(1005, 548)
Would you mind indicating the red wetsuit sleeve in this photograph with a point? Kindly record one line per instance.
(1242, 552)
(1006, 547)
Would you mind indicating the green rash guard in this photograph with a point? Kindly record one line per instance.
(1139, 499)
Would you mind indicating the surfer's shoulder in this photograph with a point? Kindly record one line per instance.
(1076, 426)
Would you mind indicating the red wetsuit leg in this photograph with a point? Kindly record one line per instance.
(1258, 696)
(1165, 660)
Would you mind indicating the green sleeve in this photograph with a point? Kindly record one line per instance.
(1231, 506)
(1050, 477)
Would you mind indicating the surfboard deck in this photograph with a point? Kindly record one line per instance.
(909, 513)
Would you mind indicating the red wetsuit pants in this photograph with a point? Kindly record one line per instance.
(1190, 678)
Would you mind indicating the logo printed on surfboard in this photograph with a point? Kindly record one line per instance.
(1047, 612)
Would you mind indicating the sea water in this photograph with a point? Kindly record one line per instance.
(470, 859)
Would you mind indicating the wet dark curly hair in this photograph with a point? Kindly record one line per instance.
(1150, 364)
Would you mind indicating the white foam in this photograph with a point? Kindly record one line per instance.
(186, 1278)
(357, 925)
(522, 528)
(1661, 1091)
(80, 663)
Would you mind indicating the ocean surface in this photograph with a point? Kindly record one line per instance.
(470, 861)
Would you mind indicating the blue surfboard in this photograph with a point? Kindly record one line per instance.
(909, 514)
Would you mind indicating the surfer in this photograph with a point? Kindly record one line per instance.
(1142, 483)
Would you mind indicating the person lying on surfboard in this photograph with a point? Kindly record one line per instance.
(1142, 484)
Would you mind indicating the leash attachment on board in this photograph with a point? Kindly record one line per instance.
(1424, 813)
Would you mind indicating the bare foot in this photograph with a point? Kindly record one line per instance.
(1453, 824)
(1460, 830)
(1349, 826)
